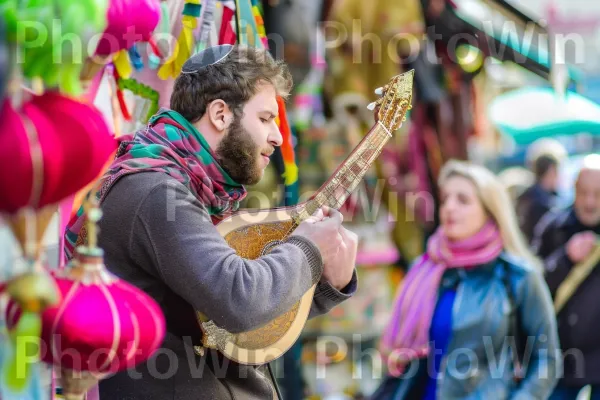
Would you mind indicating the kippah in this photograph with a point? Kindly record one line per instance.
(206, 57)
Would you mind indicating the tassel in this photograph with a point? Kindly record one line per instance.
(155, 49)
(121, 96)
(287, 147)
(155, 55)
(136, 59)
(226, 33)
(122, 64)
(185, 42)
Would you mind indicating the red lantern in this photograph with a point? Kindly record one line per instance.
(50, 149)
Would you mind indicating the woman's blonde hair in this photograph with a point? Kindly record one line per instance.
(497, 202)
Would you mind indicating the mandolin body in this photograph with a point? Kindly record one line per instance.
(253, 234)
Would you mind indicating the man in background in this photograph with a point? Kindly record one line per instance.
(563, 240)
(544, 158)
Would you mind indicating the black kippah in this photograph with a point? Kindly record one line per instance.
(208, 56)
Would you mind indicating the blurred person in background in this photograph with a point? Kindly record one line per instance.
(563, 240)
(516, 180)
(476, 287)
(543, 158)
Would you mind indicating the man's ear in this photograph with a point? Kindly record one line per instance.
(219, 114)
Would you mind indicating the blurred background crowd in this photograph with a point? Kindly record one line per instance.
(513, 86)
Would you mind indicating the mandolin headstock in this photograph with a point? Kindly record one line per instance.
(395, 101)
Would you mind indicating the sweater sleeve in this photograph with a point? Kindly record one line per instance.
(175, 231)
(327, 297)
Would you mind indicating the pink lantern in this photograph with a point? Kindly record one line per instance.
(50, 149)
(129, 21)
(101, 325)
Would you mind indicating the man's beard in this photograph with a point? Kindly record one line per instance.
(238, 155)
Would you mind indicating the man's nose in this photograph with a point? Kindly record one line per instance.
(275, 137)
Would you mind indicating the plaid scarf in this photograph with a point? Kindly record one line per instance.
(172, 145)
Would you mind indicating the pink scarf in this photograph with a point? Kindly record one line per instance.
(407, 334)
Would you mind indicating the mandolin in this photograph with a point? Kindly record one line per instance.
(253, 234)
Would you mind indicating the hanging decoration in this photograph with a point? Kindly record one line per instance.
(126, 327)
(185, 42)
(164, 27)
(129, 22)
(57, 146)
(53, 146)
(206, 27)
(227, 34)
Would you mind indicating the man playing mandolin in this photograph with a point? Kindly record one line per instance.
(168, 186)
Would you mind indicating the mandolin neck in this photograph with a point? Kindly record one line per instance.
(346, 178)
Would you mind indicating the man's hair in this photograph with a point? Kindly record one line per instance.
(543, 155)
(543, 164)
(235, 79)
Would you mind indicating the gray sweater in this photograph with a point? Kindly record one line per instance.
(157, 236)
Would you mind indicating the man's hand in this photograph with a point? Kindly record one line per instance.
(338, 246)
(338, 271)
(580, 246)
(322, 229)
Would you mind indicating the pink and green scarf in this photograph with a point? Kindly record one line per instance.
(407, 333)
(172, 145)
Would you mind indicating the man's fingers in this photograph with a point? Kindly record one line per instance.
(325, 210)
(318, 215)
(335, 217)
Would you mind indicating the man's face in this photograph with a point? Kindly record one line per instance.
(251, 139)
(552, 178)
(587, 197)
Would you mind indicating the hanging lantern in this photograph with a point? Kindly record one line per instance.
(85, 139)
(50, 149)
(47, 154)
(102, 324)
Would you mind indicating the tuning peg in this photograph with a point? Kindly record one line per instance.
(374, 104)
(379, 91)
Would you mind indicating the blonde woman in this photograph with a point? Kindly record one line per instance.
(461, 303)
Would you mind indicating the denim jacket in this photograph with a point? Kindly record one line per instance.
(478, 362)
